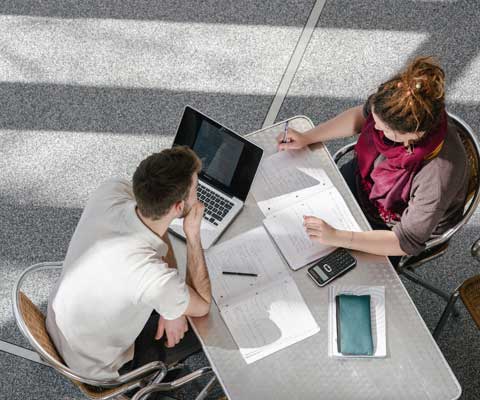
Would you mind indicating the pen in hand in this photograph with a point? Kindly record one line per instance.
(239, 273)
(285, 137)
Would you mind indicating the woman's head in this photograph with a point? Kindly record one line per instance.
(413, 100)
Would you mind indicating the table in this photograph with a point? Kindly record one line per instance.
(413, 369)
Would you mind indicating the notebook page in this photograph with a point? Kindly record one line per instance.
(286, 227)
(269, 320)
(251, 252)
(285, 177)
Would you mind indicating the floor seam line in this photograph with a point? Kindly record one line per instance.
(294, 62)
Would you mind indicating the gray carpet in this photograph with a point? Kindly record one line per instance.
(88, 90)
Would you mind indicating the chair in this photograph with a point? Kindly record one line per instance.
(469, 292)
(31, 322)
(436, 247)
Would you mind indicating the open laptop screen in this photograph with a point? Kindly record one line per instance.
(229, 162)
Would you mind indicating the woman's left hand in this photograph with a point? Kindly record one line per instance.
(318, 230)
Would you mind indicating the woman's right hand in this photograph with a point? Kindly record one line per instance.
(295, 141)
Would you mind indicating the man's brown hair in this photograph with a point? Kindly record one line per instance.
(164, 178)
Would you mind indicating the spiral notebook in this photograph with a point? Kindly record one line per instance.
(287, 230)
(264, 314)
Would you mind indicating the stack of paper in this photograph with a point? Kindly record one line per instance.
(265, 313)
(377, 315)
(288, 231)
(289, 185)
(287, 177)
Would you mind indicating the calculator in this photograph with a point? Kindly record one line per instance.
(331, 266)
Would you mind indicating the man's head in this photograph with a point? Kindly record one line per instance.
(166, 180)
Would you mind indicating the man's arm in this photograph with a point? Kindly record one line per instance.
(197, 274)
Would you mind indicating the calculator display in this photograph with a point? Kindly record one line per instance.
(320, 272)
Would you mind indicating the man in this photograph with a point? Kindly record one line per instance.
(120, 267)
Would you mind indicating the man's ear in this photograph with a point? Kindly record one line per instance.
(178, 207)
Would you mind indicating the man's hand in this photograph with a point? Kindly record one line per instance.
(175, 330)
(193, 220)
(318, 230)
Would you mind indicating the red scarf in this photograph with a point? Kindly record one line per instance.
(388, 184)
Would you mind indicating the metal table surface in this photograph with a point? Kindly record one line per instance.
(413, 369)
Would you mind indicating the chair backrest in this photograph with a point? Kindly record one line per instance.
(32, 324)
(35, 322)
(470, 294)
(472, 148)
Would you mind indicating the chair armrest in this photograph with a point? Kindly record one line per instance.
(143, 371)
(168, 386)
(344, 150)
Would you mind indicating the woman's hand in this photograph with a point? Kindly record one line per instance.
(318, 230)
(295, 141)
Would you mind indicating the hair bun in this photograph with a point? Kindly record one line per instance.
(413, 99)
(426, 78)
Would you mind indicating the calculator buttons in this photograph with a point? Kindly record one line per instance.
(331, 266)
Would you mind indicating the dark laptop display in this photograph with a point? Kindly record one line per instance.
(229, 161)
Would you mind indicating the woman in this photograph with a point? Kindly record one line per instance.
(410, 171)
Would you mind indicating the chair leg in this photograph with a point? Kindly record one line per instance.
(206, 389)
(420, 281)
(446, 313)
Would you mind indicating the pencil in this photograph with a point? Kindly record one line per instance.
(285, 133)
(239, 273)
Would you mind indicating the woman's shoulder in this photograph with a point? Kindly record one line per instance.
(453, 151)
(450, 167)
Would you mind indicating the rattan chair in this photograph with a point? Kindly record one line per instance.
(148, 378)
(437, 246)
(469, 292)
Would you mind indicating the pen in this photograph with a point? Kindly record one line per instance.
(239, 273)
(285, 133)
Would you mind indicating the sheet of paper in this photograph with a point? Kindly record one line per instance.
(285, 177)
(266, 313)
(377, 315)
(269, 320)
(286, 226)
(253, 252)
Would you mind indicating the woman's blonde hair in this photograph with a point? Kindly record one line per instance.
(413, 100)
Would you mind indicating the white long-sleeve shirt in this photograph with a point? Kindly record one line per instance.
(113, 277)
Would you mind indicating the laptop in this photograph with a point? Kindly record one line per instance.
(229, 165)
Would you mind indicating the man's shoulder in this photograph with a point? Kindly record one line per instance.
(115, 186)
(111, 192)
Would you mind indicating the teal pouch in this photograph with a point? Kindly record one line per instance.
(354, 328)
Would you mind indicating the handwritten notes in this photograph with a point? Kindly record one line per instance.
(265, 313)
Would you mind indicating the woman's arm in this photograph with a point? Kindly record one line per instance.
(381, 242)
(348, 123)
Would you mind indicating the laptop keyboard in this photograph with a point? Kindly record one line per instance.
(216, 207)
